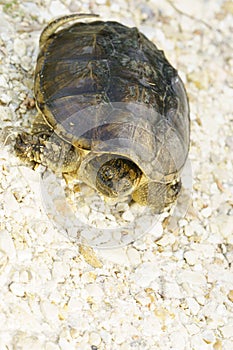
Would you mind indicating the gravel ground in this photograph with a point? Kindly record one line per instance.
(173, 287)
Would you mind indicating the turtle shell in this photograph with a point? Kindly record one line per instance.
(106, 88)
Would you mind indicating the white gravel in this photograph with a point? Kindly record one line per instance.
(172, 288)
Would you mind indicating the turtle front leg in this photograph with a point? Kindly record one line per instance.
(43, 146)
(158, 196)
(28, 147)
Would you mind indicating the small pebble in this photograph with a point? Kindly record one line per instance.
(167, 239)
(3, 82)
(134, 256)
(74, 333)
(208, 336)
(7, 244)
(24, 276)
(60, 271)
(194, 307)
(171, 290)
(128, 216)
(191, 257)
(206, 212)
(227, 330)
(19, 47)
(5, 99)
(230, 295)
(157, 230)
(218, 345)
(177, 341)
(192, 277)
(145, 274)
(117, 256)
(94, 339)
(90, 256)
(51, 346)
(193, 329)
(57, 9)
(49, 310)
(17, 289)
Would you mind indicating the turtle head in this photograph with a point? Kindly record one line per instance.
(117, 177)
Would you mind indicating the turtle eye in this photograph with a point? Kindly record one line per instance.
(107, 173)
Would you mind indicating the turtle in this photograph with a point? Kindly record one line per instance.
(112, 111)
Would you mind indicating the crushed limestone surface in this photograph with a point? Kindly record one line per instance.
(171, 288)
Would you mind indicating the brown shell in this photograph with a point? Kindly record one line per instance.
(105, 87)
